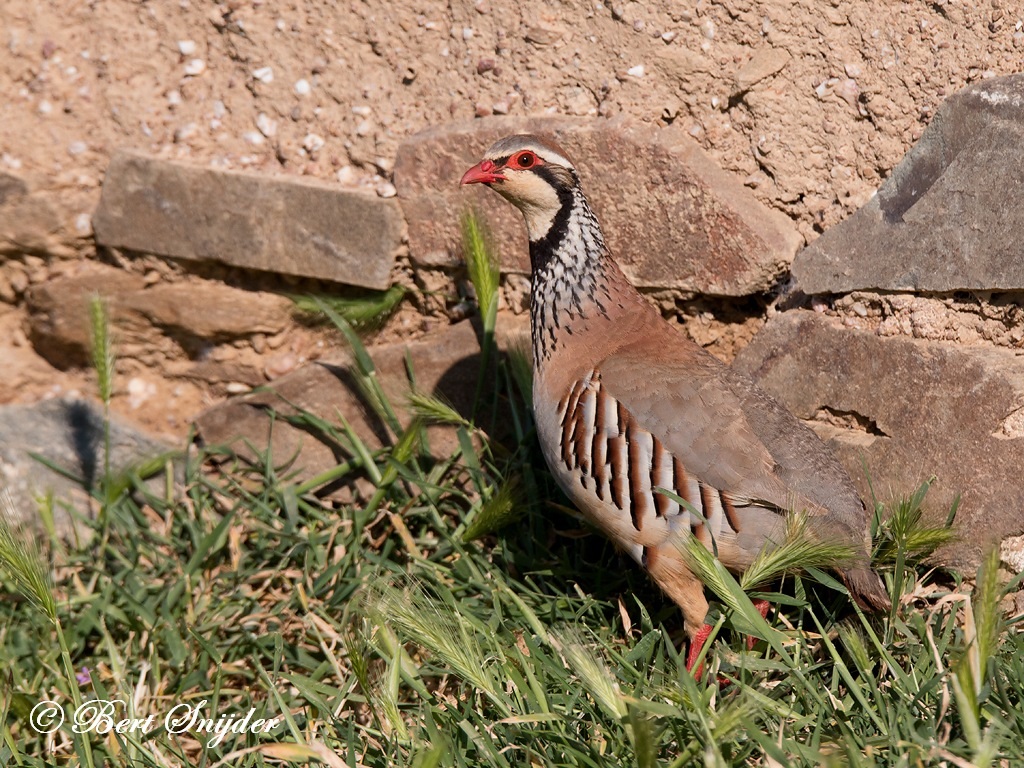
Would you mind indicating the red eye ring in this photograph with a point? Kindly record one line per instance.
(525, 159)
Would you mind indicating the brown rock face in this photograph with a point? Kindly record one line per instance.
(278, 224)
(908, 409)
(672, 218)
(206, 311)
(948, 218)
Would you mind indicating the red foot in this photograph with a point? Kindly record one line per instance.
(762, 608)
(695, 646)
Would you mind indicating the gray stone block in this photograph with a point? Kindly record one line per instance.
(288, 225)
(951, 214)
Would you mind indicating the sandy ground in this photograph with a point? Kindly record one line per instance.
(809, 103)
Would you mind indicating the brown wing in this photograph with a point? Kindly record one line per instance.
(732, 435)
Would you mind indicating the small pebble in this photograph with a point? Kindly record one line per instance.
(173, 98)
(484, 65)
(185, 133)
(83, 224)
(195, 67)
(45, 107)
(362, 110)
(302, 87)
(347, 175)
(266, 125)
(708, 29)
(637, 71)
(482, 110)
(152, 277)
(668, 37)
(313, 143)
(852, 70)
(639, 25)
(467, 33)
(501, 107)
(253, 137)
(387, 189)
(77, 148)
(237, 388)
(186, 47)
(264, 74)
(364, 128)
(859, 309)
(219, 110)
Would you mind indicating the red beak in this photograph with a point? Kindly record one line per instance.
(484, 172)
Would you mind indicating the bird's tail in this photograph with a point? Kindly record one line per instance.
(866, 588)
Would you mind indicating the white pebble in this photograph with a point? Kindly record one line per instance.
(237, 388)
(83, 224)
(264, 74)
(253, 137)
(364, 128)
(852, 70)
(77, 147)
(10, 161)
(186, 132)
(637, 71)
(708, 29)
(45, 107)
(313, 143)
(668, 37)
(715, 101)
(302, 87)
(195, 67)
(347, 175)
(387, 189)
(467, 33)
(186, 47)
(219, 110)
(362, 110)
(501, 107)
(173, 98)
(267, 126)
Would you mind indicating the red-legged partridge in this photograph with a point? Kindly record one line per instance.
(625, 403)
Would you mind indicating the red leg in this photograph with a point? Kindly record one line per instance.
(762, 608)
(695, 646)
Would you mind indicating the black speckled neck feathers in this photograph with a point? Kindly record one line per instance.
(569, 265)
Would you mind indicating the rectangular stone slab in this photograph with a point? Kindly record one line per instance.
(288, 225)
(907, 409)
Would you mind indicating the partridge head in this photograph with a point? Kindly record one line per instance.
(625, 403)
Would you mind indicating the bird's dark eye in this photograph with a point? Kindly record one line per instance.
(526, 160)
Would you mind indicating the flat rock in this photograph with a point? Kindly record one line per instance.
(211, 310)
(907, 409)
(283, 224)
(671, 216)
(951, 214)
(68, 433)
(28, 223)
(765, 62)
(190, 311)
(444, 363)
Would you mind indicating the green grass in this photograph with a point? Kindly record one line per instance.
(419, 628)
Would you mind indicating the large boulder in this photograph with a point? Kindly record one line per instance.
(671, 216)
(898, 410)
